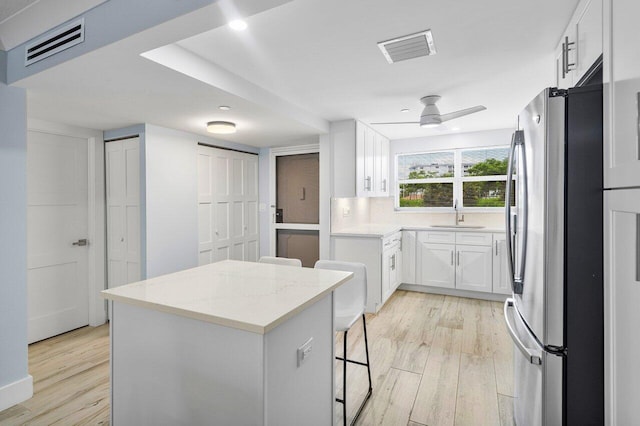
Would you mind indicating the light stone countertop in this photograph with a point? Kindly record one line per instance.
(250, 296)
(382, 231)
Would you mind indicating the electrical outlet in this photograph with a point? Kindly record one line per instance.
(346, 211)
(304, 351)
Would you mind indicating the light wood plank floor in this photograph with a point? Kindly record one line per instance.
(70, 381)
(436, 360)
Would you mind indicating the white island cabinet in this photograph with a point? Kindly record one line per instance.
(225, 343)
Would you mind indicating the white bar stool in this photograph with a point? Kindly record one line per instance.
(350, 300)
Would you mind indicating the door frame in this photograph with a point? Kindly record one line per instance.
(273, 226)
(96, 224)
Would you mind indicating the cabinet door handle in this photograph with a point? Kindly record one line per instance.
(367, 183)
(393, 262)
(496, 247)
(566, 66)
(384, 185)
(451, 257)
(564, 60)
(458, 258)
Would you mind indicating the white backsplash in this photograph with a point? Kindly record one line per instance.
(365, 211)
(349, 212)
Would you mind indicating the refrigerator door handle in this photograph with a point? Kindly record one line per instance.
(516, 277)
(533, 355)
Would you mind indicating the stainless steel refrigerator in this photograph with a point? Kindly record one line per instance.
(554, 247)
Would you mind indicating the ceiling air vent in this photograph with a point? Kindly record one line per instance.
(408, 47)
(51, 43)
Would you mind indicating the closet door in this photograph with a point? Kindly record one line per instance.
(227, 205)
(123, 211)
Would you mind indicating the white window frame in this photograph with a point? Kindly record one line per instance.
(457, 181)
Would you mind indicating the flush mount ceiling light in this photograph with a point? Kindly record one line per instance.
(238, 25)
(224, 107)
(221, 127)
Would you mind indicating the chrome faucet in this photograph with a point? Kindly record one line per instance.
(459, 217)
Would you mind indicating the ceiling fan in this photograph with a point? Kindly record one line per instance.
(431, 116)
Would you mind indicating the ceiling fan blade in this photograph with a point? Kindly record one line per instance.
(462, 113)
(400, 122)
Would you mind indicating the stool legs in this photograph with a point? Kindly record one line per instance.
(344, 360)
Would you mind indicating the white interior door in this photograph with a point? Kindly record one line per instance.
(123, 211)
(57, 269)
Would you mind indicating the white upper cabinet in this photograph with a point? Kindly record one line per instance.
(589, 37)
(621, 74)
(580, 44)
(372, 162)
(359, 160)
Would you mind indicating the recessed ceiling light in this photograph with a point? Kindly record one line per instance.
(224, 107)
(238, 25)
(404, 110)
(221, 127)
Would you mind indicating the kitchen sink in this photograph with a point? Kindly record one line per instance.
(459, 226)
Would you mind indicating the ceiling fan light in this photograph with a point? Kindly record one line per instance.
(221, 127)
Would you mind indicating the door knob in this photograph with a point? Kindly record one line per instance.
(81, 242)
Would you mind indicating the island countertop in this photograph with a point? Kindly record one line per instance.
(250, 296)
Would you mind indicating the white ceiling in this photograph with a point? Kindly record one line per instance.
(307, 62)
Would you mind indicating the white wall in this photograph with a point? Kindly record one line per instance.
(15, 382)
(171, 200)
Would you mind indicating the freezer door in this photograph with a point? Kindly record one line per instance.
(540, 218)
(537, 381)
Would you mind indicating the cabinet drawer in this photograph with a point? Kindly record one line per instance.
(474, 238)
(437, 237)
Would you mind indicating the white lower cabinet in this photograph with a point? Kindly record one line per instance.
(474, 268)
(501, 282)
(471, 261)
(409, 257)
(391, 268)
(436, 264)
(383, 259)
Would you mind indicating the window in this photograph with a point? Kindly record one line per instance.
(474, 177)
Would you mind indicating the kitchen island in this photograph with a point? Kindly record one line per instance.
(222, 344)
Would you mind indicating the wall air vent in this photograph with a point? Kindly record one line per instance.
(408, 47)
(56, 41)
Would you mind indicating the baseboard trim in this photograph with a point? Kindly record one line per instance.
(454, 292)
(16, 392)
